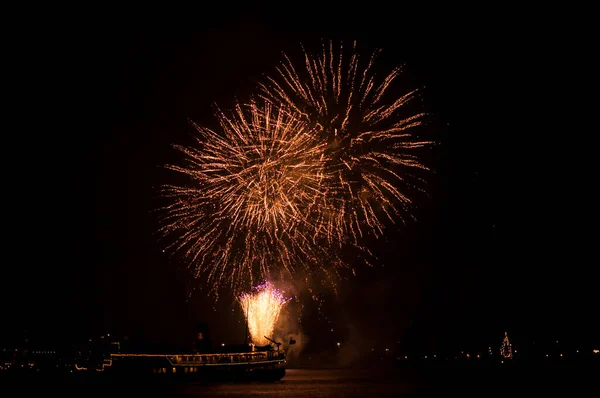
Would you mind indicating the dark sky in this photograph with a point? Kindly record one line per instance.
(504, 243)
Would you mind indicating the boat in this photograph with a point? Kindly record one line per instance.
(266, 363)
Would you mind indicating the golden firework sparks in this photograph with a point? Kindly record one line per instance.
(248, 212)
(328, 157)
(369, 134)
(261, 308)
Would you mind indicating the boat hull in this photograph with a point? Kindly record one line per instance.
(261, 366)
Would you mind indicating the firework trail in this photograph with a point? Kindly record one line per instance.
(262, 307)
(246, 212)
(371, 158)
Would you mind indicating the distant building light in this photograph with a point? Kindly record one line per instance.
(387, 349)
(596, 351)
(222, 344)
(339, 344)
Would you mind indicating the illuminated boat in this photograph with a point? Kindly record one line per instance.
(258, 364)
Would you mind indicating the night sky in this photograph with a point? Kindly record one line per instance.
(504, 242)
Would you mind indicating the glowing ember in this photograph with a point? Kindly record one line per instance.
(261, 308)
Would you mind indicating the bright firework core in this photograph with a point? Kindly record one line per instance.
(262, 307)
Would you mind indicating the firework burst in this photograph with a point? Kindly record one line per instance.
(327, 157)
(368, 134)
(247, 210)
(262, 307)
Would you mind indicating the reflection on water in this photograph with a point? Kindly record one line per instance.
(439, 383)
(315, 383)
(402, 383)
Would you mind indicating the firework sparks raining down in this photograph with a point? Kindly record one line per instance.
(253, 190)
(371, 155)
(326, 157)
(262, 307)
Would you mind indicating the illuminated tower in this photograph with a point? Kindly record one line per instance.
(506, 348)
